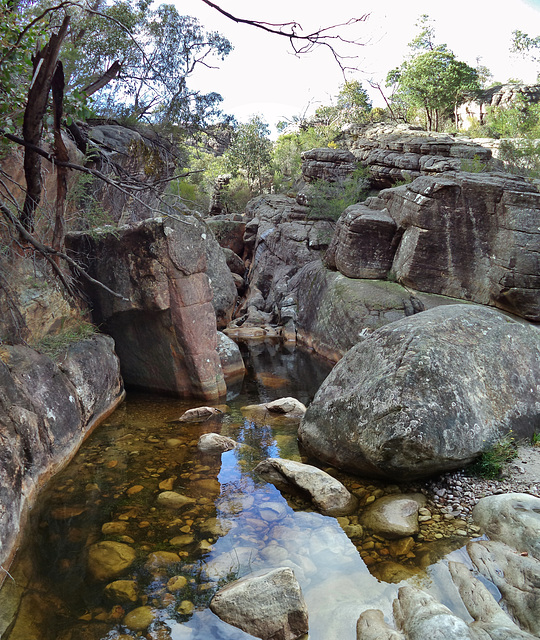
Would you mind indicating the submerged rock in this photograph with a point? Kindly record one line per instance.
(174, 500)
(266, 604)
(140, 618)
(109, 559)
(215, 443)
(328, 494)
(427, 394)
(199, 414)
(394, 516)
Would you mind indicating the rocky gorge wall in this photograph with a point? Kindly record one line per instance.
(47, 408)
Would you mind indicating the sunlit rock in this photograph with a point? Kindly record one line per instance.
(266, 604)
(371, 626)
(511, 517)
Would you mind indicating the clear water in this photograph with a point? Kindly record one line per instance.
(235, 524)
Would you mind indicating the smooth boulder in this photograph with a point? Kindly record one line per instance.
(267, 604)
(215, 443)
(394, 516)
(328, 494)
(427, 394)
(511, 516)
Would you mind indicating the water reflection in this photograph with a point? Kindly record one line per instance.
(140, 492)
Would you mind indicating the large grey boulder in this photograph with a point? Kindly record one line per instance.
(329, 495)
(267, 604)
(427, 394)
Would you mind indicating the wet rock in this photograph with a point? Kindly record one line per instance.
(139, 619)
(328, 494)
(165, 325)
(108, 559)
(44, 420)
(393, 572)
(216, 527)
(482, 606)
(232, 363)
(282, 407)
(121, 591)
(176, 583)
(215, 443)
(394, 516)
(266, 604)
(199, 414)
(420, 616)
(272, 511)
(371, 626)
(516, 576)
(161, 560)
(426, 394)
(181, 541)
(511, 517)
(174, 500)
(114, 528)
(185, 608)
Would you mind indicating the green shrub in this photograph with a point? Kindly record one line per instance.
(328, 200)
(56, 345)
(491, 462)
(473, 165)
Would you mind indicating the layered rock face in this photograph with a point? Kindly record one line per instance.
(427, 394)
(46, 409)
(393, 153)
(332, 165)
(465, 235)
(164, 324)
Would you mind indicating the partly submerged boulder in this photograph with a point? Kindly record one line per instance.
(330, 496)
(267, 604)
(427, 394)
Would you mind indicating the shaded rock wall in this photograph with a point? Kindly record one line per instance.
(465, 235)
(46, 410)
(165, 324)
(332, 312)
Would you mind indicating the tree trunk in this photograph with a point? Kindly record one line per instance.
(61, 154)
(44, 67)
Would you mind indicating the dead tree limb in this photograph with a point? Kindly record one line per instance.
(302, 43)
(60, 154)
(38, 95)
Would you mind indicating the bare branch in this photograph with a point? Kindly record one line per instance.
(302, 43)
(111, 73)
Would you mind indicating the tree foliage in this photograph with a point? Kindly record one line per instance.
(251, 151)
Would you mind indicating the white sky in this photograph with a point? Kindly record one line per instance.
(262, 76)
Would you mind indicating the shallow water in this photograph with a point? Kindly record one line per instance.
(236, 523)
